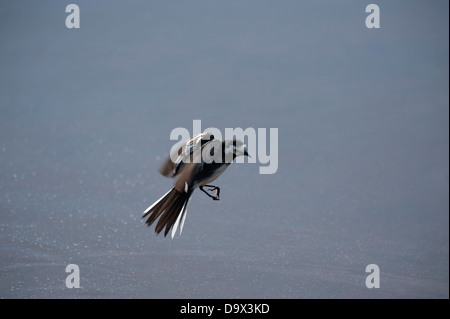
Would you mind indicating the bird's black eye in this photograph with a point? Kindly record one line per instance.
(211, 137)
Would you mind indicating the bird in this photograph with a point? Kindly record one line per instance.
(200, 161)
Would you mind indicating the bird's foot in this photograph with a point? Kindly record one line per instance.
(212, 188)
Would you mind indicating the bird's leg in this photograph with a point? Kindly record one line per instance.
(216, 188)
(213, 188)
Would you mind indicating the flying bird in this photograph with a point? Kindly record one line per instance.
(198, 162)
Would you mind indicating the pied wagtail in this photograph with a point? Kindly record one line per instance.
(200, 161)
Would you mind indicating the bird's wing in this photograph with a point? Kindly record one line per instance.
(187, 174)
(191, 170)
(168, 167)
(185, 151)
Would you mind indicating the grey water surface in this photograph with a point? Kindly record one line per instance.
(363, 148)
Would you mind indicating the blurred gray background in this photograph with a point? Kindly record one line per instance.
(363, 119)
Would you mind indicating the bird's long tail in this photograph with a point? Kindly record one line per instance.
(171, 209)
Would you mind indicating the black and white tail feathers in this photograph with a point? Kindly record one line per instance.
(171, 208)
